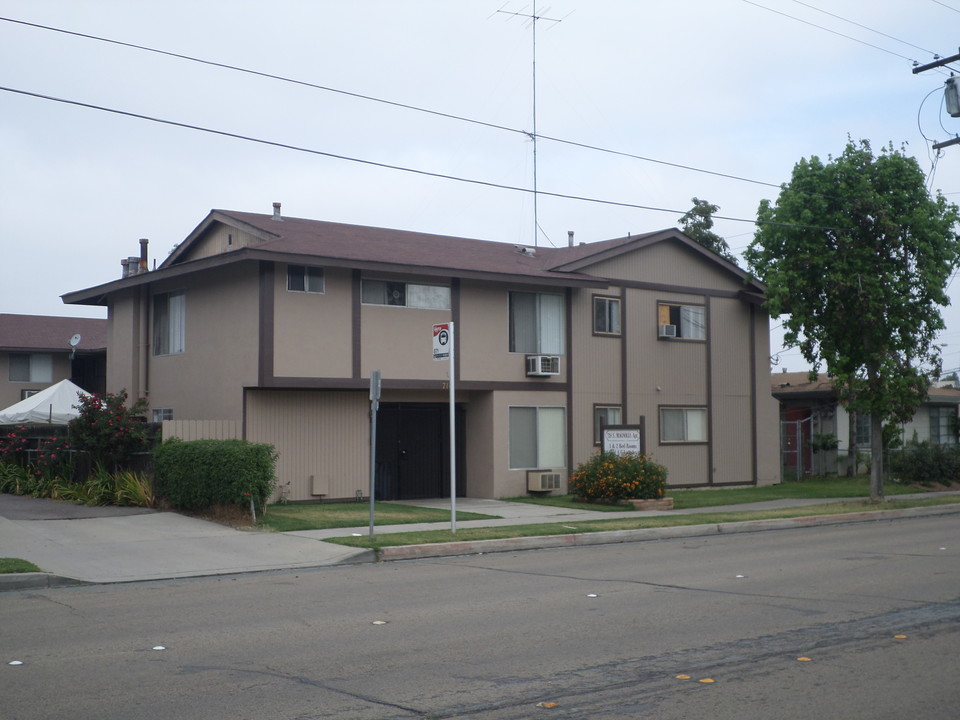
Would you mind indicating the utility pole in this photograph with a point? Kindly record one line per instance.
(952, 93)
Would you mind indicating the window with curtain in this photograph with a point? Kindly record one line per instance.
(304, 279)
(31, 367)
(169, 323)
(606, 315)
(683, 425)
(605, 415)
(403, 294)
(537, 437)
(536, 323)
(688, 321)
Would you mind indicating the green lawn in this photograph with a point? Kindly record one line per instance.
(686, 499)
(321, 516)
(16, 565)
(641, 522)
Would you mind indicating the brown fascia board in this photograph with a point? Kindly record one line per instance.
(98, 295)
(621, 246)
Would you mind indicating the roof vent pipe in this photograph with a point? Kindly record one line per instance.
(276, 211)
(124, 271)
(143, 255)
(569, 238)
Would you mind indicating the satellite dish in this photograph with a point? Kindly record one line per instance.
(75, 340)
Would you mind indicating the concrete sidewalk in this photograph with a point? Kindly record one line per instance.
(75, 544)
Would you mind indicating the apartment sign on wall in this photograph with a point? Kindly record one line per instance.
(623, 439)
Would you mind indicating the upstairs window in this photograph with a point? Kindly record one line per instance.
(606, 315)
(681, 321)
(304, 279)
(31, 367)
(169, 323)
(402, 294)
(536, 323)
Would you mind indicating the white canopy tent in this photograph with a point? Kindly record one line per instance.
(57, 405)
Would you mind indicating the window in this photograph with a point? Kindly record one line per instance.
(31, 367)
(943, 425)
(863, 429)
(169, 315)
(401, 294)
(304, 279)
(682, 321)
(605, 415)
(606, 315)
(161, 414)
(24, 394)
(537, 437)
(683, 425)
(536, 323)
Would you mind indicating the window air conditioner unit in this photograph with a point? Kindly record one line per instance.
(543, 365)
(668, 331)
(542, 480)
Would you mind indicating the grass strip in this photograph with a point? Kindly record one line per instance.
(564, 528)
(16, 565)
(290, 517)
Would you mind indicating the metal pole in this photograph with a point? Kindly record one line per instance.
(453, 436)
(374, 405)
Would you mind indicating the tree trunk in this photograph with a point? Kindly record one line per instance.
(876, 457)
(852, 448)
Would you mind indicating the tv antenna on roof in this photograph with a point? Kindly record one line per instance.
(534, 18)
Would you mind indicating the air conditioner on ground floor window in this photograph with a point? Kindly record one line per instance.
(668, 331)
(543, 365)
(542, 480)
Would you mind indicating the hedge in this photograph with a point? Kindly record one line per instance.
(198, 474)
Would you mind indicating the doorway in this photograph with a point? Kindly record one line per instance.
(413, 451)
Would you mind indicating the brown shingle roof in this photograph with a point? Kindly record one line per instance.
(46, 333)
(798, 383)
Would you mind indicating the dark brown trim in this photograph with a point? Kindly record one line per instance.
(680, 289)
(335, 383)
(709, 380)
(624, 358)
(455, 318)
(568, 348)
(754, 437)
(266, 322)
(355, 323)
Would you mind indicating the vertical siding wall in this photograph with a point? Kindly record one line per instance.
(319, 435)
(201, 429)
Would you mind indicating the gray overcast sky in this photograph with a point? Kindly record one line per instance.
(723, 85)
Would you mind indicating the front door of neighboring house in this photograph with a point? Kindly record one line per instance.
(413, 451)
(796, 432)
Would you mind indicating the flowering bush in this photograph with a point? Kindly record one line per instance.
(610, 477)
(13, 442)
(108, 430)
(53, 458)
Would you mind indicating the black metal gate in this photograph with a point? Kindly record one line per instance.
(413, 451)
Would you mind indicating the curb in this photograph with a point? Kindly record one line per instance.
(611, 537)
(36, 581)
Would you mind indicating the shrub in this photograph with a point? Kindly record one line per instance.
(13, 444)
(105, 488)
(108, 430)
(926, 464)
(199, 474)
(53, 458)
(610, 477)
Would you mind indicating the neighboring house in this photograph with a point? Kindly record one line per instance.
(273, 325)
(35, 353)
(809, 410)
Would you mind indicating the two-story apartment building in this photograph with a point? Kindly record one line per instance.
(37, 351)
(276, 324)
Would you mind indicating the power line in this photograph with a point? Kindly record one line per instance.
(370, 98)
(946, 6)
(387, 166)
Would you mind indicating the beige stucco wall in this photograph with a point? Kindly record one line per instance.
(312, 331)
(221, 348)
(668, 263)
(221, 239)
(10, 391)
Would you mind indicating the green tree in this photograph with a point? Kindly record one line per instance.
(697, 224)
(857, 253)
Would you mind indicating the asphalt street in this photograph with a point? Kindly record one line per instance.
(587, 632)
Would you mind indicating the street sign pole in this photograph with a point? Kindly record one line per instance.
(443, 344)
(374, 406)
